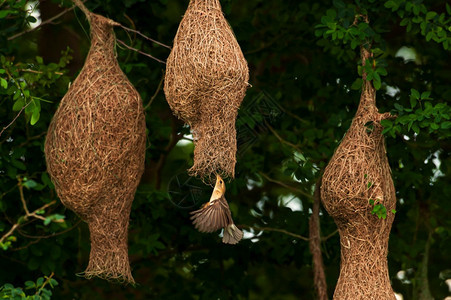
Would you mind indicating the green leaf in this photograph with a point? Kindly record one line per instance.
(382, 71)
(425, 95)
(31, 19)
(35, 117)
(377, 82)
(393, 211)
(29, 284)
(415, 128)
(399, 107)
(357, 84)
(413, 102)
(29, 184)
(339, 4)
(404, 22)
(435, 126)
(430, 15)
(53, 282)
(414, 93)
(390, 4)
(354, 43)
(40, 281)
(4, 83)
(4, 13)
(446, 125)
(387, 123)
(18, 104)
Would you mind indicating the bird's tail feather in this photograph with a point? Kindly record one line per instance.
(232, 234)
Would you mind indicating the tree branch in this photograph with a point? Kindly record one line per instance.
(319, 277)
(49, 235)
(42, 23)
(27, 215)
(294, 189)
(38, 72)
(15, 118)
(298, 236)
(45, 283)
(283, 141)
(156, 93)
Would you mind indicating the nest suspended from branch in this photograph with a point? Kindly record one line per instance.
(95, 149)
(357, 173)
(205, 82)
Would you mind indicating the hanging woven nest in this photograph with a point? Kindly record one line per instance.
(358, 177)
(205, 83)
(95, 149)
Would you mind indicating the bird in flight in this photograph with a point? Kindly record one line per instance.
(216, 214)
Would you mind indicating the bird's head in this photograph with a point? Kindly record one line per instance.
(219, 189)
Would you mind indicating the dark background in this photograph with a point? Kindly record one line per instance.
(303, 97)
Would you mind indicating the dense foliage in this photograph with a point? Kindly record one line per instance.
(303, 58)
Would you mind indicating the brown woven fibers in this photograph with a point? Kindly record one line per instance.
(205, 83)
(95, 151)
(358, 172)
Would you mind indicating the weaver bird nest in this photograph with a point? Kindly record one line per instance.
(357, 178)
(205, 82)
(95, 149)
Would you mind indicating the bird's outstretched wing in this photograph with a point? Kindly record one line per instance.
(212, 216)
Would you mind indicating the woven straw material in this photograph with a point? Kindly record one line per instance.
(359, 171)
(95, 149)
(205, 82)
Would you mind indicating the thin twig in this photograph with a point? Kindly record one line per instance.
(283, 141)
(156, 92)
(15, 118)
(139, 51)
(24, 204)
(36, 137)
(45, 283)
(27, 215)
(146, 37)
(324, 238)
(49, 235)
(276, 230)
(38, 72)
(294, 189)
(287, 232)
(26, 246)
(11, 231)
(288, 112)
(42, 23)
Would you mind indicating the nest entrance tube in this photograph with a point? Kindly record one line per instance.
(205, 82)
(95, 150)
(357, 173)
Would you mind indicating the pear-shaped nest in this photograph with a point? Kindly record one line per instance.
(356, 183)
(205, 83)
(95, 149)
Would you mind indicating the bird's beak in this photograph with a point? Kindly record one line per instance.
(220, 186)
